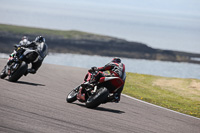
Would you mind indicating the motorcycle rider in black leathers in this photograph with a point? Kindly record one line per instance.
(31, 45)
(119, 69)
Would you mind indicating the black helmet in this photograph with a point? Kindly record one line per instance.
(39, 39)
(116, 60)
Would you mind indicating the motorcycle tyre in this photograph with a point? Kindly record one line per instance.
(73, 97)
(100, 97)
(3, 73)
(18, 73)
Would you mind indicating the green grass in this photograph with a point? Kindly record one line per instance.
(182, 95)
(71, 34)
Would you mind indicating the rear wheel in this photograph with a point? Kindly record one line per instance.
(72, 95)
(100, 97)
(18, 73)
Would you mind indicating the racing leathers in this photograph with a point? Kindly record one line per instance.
(35, 65)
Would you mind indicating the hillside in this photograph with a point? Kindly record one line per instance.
(88, 43)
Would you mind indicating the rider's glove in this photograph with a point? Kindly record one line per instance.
(93, 69)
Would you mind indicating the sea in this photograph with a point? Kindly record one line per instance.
(141, 66)
(169, 25)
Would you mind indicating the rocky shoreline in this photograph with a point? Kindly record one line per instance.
(98, 45)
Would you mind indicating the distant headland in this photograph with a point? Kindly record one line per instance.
(92, 44)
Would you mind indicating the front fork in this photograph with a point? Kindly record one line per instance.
(3, 73)
(7, 70)
(95, 89)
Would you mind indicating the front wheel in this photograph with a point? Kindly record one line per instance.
(3, 73)
(100, 97)
(72, 95)
(18, 73)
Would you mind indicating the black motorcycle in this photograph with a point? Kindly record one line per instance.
(16, 67)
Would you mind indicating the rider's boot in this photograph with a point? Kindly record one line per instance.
(31, 70)
(114, 98)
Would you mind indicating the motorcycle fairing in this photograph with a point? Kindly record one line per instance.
(40, 53)
(87, 77)
(111, 83)
(10, 58)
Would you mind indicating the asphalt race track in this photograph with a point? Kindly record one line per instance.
(37, 104)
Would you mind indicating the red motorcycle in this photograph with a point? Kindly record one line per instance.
(94, 93)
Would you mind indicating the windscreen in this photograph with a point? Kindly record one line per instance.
(42, 49)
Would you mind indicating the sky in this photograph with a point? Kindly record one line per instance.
(172, 24)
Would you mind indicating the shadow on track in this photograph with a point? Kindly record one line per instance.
(29, 83)
(109, 110)
(102, 109)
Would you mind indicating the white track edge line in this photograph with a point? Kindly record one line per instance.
(159, 106)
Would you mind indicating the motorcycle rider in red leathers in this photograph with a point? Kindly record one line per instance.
(119, 71)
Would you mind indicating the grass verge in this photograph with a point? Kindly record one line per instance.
(182, 95)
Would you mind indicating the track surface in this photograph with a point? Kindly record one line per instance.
(37, 104)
